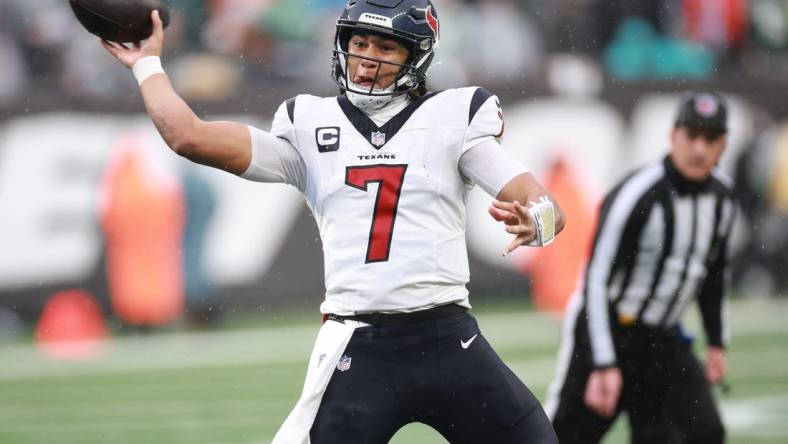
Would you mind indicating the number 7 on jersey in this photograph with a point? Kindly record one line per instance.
(389, 179)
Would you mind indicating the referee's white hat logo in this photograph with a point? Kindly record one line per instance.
(706, 105)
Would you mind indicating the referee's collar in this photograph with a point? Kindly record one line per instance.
(681, 183)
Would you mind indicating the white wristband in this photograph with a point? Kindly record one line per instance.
(543, 214)
(146, 67)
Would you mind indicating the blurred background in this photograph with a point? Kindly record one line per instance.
(146, 299)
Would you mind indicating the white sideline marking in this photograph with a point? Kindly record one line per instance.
(292, 344)
(762, 416)
(167, 351)
(276, 345)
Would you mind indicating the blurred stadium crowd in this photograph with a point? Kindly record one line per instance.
(221, 48)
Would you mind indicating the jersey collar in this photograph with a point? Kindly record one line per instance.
(376, 135)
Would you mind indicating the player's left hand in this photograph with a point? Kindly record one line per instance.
(716, 365)
(518, 222)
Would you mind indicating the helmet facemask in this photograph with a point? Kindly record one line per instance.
(404, 77)
(411, 74)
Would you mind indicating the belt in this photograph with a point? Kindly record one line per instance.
(377, 318)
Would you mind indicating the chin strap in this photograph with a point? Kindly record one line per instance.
(368, 102)
(543, 215)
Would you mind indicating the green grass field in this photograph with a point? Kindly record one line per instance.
(237, 385)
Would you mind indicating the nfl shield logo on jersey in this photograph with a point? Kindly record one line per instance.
(378, 138)
(344, 363)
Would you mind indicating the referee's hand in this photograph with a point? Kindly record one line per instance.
(716, 365)
(603, 390)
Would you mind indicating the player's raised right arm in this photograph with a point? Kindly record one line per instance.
(224, 145)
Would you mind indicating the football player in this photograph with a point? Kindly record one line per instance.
(386, 168)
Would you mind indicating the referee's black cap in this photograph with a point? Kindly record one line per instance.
(704, 110)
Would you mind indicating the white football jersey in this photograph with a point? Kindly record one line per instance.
(389, 201)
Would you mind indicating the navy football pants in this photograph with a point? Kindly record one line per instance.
(420, 372)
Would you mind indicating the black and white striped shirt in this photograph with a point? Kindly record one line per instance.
(661, 240)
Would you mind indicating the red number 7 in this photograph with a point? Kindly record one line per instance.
(389, 179)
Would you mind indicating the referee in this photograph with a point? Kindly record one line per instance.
(661, 241)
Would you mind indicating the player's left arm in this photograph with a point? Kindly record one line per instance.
(522, 204)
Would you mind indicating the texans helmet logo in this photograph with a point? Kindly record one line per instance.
(433, 23)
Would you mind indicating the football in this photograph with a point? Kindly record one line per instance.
(119, 20)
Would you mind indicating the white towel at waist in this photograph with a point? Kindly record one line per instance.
(330, 344)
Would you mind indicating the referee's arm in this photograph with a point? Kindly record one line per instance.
(615, 215)
(604, 384)
(711, 301)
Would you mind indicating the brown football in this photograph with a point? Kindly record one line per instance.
(119, 20)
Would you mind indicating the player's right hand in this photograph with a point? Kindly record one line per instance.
(603, 390)
(128, 55)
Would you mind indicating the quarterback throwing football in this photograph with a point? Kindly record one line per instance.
(386, 169)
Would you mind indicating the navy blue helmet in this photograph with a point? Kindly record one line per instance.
(411, 22)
